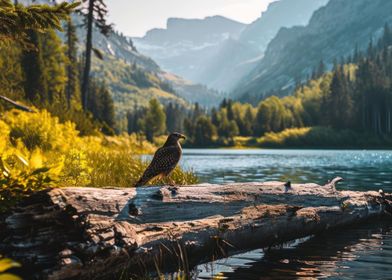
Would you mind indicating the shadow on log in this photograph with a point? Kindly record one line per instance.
(86, 233)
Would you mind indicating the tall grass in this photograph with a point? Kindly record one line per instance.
(37, 151)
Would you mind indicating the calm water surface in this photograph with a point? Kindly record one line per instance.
(360, 252)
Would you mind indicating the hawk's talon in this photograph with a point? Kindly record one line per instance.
(172, 183)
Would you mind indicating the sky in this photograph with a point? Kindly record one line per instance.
(135, 17)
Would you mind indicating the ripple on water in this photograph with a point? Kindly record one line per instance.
(362, 252)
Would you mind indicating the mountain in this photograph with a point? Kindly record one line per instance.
(186, 45)
(196, 31)
(133, 78)
(194, 93)
(333, 32)
(237, 57)
(115, 45)
(217, 51)
(283, 13)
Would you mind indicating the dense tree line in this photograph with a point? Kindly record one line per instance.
(356, 95)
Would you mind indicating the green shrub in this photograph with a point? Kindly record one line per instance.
(40, 130)
(23, 172)
(321, 137)
(39, 152)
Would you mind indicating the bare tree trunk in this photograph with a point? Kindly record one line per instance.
(379, 122)
(69, 67)
(16, 105)
(88, 233)
(89, 47)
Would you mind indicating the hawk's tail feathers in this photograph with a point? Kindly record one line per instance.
(142, 181)
(145, 179)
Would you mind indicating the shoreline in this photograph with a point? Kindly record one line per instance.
(286, 148)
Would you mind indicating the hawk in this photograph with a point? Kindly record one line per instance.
(165, 159)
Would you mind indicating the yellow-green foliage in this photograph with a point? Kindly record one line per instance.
(40, 130)
(243, 142)
(131, 86)
(320, 137)
(6, 264)
(37, 151)
(280, 138)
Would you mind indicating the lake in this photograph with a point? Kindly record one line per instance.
(360, 252)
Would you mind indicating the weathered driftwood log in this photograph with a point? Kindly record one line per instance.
(87, 233)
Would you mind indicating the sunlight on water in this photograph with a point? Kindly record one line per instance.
(362, 252)
(361, 169)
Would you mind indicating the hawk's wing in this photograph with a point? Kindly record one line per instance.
(164, 161)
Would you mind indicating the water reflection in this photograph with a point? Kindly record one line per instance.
(363, 252)
(361, 169)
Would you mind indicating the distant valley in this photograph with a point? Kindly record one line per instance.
(217, 51)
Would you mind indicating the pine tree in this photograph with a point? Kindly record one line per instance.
(230, 113)
(107, 114)
(96, 14)
(223, 103)
(18, 21)
(101, 105)
(11, 74)
(154, 121)
(54, 62)
(174, 117)
(340, 102)
(214, 117)
(320, 69)
(73, 76)
(35, 84)
(197, 111)
(205, 131)
(248, 122)
(189, 128)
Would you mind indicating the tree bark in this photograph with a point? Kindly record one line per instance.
(84, 233)
(89, 47)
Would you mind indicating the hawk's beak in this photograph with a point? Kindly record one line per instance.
(182, 136)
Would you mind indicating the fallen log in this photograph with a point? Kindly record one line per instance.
(16, 104)
(84, 233)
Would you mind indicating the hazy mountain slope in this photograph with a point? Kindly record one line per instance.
(186, 45)
(232, 60)
(217, 51)
(197, 31)
(127, 91)
(192, 92)
(122, 53)
(115, 45)
(333, 32)
(283, 13)
(237, 57)
(132, 86)
(133, 78)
